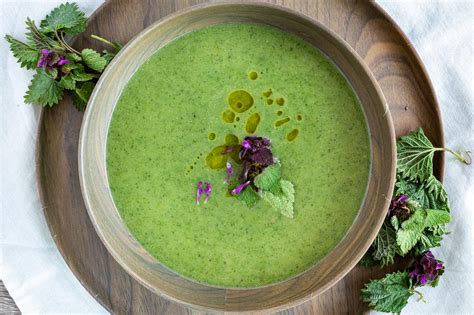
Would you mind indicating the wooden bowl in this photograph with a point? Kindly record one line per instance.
(160, 279)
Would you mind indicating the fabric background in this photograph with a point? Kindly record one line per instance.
(40, 281)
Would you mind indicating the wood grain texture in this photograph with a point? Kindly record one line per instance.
(374, 37)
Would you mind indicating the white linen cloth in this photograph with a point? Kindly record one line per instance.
(37, 276)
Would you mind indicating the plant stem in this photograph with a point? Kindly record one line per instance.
(420, 295)
(63, 42)
(101, 39)
(467, 160)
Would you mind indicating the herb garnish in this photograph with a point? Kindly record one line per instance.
(59, 67)
(260, 177)
(416, 221)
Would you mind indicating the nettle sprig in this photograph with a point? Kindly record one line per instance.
(416, 222)
(59, 67)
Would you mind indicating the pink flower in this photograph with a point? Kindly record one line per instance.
(199, 192)
(237, 190)
(207, 191)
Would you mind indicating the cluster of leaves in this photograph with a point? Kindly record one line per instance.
(416, 222)
(59, 67)
(391, 293)
(260, 178)
(427, 205)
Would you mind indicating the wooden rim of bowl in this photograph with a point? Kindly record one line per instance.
(164, 281)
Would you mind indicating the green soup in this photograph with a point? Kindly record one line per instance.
(175, 110)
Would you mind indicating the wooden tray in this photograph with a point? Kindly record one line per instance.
(363, 25)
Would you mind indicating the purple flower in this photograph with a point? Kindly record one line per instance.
(426, 269)
(229, 171)
(207, 191)
(49, 59)
(199, 192)
(237, 190)
(398, 207)
(246, 144)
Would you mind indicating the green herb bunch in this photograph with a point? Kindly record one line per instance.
(416, 221)
(59, 67)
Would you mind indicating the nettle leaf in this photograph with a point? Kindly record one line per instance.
(93, 59)
(385, 245)
(81, 95)
(67, 82)
(406, 240)
(429, 195)
(67, 18)
(269, 179)
(389, 294)
(249, 196)
(282, 202)
(415, 156)
(436, 217)
(43, 90)
(27, 55)
(81, 76)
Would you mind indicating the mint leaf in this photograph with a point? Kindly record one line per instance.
(415, 156)
(282, 202)
(81, 95)
(67, 82)
(40, 40)
(43, 90)
(249, 196)
(385, 245)
(93, 59)
(269, 179)
(389, 294)
(27, 55)
(67, 18)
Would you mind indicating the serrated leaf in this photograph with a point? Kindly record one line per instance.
(108, 56)
(269, 179)
(249, 196)
(43, 90)
(67, 18)
(385, 245)
(389, 294)
(436, 217)
(415, 156)
(67, 82)
(282, 202)
(406, 240)
(81, 95)
(93, 59)
(26, 55)
(425, 195)
(81, 76)
(367, 260)
(394, 222)
(39, 40)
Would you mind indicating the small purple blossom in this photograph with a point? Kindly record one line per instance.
(207, 191)
(199, 192)
(229, 172)
(399, 208)
(237, 190)
(426, 269)
(49, 59)
(246, 144)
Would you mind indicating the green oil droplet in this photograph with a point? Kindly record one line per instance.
(292, 135)
(240, 101)
(231, 139)
(253, 75)
(252, 123)
(279, 113)
(269, 101)
(237, 118)
(299, 117)
(267, 93)
(283, 121)
(212, 136)
(228, 116)
(280, 101)
(217, 158)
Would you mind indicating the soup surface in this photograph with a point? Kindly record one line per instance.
(178, 107)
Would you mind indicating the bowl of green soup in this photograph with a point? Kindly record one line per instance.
(164, 157)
